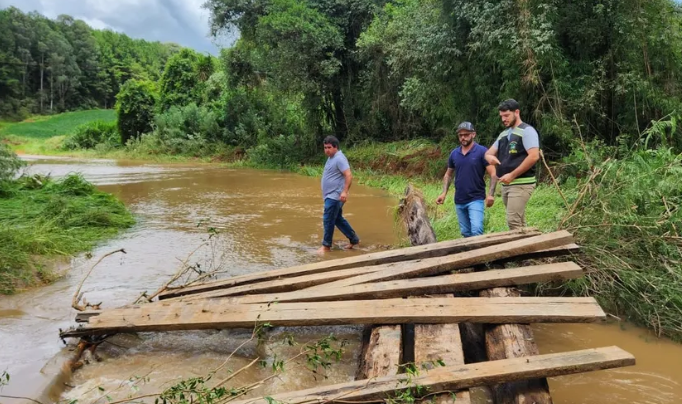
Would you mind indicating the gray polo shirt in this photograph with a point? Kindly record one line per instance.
(332, 177)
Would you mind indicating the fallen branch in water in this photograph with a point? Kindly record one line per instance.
(77, 296)
(21, 398)
(184, 268)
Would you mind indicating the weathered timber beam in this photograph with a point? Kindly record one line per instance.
(282, 285)
(460, 377)
(210, 314)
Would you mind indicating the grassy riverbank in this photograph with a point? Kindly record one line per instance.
(42, 219)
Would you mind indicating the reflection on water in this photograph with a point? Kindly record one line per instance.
(267, 220)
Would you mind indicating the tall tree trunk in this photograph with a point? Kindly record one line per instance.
(51, 91)
(42, 71)
(23, 87)
(340, 124)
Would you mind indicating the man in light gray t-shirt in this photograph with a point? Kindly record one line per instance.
(336, 180)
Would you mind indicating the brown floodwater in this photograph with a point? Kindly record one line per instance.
(266, 220)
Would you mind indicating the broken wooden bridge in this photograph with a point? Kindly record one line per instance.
(404, 297)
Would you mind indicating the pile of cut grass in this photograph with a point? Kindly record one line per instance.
(41, 218)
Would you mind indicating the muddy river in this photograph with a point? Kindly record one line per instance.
(266, 220)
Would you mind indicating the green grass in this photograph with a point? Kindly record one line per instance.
(41, 218)
(43, 127)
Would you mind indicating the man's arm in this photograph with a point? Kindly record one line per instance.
(490, 198)
(447, 180)
(346, 185)
(526, 164)
(491, 155)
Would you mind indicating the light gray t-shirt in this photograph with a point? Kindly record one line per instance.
(332, 177)
(531, 139)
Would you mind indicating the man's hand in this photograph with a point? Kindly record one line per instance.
(492, 160)
(344, 197)
(440, 199)
(489, 201)
(507, 178)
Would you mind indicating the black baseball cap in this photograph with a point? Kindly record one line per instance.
(468, 126)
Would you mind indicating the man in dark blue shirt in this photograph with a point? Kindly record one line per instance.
(469, 165)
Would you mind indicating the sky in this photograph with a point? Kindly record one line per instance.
(181, 21)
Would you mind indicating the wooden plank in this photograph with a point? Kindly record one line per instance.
(211, 314)
(435, 266)
(506, 341)
(568, 249)
(443, 284)
(383, 257)
(455, 378)
(282, 285)
(381, 354)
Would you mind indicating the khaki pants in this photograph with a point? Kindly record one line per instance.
(515, 198)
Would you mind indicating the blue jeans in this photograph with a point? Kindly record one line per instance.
(333, 216)
(470, 217)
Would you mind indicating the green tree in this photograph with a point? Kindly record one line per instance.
(307, 47)
(135, 106)
(181, 80)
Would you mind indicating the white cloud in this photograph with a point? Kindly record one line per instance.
(181, 21)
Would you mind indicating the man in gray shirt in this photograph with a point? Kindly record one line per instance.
(514, 155)
(336, 180)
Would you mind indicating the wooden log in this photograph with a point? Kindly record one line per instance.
(413, 212)
(381, 354)
(384, 257)
(431, 342)
(211, 314)
(507, 341)
(455, 378)
(435, 266)
(434, 343)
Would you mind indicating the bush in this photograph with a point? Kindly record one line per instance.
(10, 163)
(628, 218)
(188, 130)
(89, 135)
(135, 105)
(281, 151)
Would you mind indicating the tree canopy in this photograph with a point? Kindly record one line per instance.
(63, 64)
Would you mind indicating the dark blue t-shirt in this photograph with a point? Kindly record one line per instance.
(469, 173)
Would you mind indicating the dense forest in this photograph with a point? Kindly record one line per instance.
(49, 66)
(389, 70)
(365, 70)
